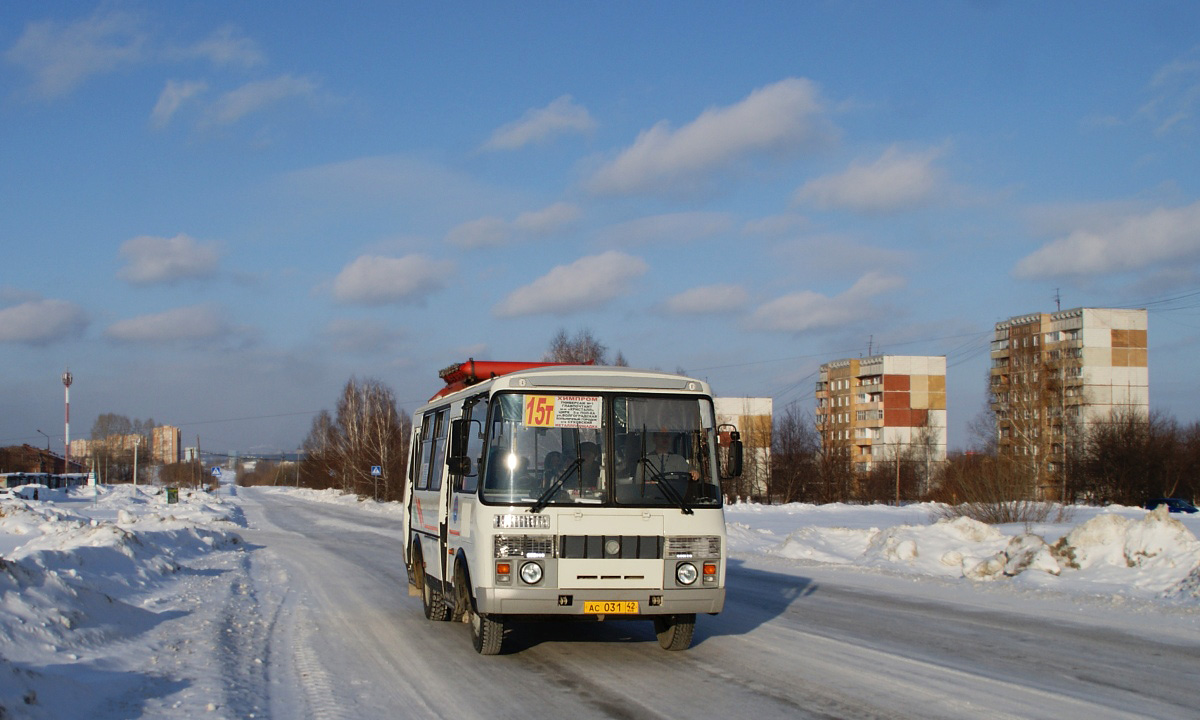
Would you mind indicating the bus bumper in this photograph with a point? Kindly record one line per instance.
(565, 601)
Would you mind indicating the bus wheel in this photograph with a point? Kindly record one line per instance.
(435, 609)
(487, 633)
(675, 631)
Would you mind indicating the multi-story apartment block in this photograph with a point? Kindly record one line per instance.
(165, 444)
(882, 407)
(1054, 374)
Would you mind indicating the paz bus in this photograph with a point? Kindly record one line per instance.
(545, 490)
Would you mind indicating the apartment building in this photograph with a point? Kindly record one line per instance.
(1054, 374)
(877, 408)
(165, 444)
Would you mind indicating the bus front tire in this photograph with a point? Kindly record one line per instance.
(675, 631)
(487, 633)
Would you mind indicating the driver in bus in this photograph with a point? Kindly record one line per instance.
(665, 460)
(589, 471)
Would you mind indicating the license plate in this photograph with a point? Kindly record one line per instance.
(617, 607)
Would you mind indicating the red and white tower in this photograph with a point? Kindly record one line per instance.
(67, 379)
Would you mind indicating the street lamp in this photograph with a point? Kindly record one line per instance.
(137, 440)
(67, 379)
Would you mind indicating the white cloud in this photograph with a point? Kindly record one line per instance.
(668, 227)
(255, 96)
(40, 322)
(707, 300)
(375, 280)
(488, 231)
(1134, 241)
(493, 231)
(156, 260)
(173, 95)
(548, 220)
(1175, 94)
(198, 323)
(62, 57)
(226, 46)
(807, 310)
(896, 181)
(782, 116)
(540, 124)
(585, 284)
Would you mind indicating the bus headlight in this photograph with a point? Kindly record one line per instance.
(686, 573)
(531, 573)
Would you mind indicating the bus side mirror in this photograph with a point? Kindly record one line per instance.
(458, 462)
(734, 455)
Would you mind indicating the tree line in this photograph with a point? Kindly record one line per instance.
(1125, 459)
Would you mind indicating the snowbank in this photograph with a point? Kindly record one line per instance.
(75, 572)
(1115, 551)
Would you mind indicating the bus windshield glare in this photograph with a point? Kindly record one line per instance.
(559, 449)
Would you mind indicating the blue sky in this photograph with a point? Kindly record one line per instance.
(216, 213)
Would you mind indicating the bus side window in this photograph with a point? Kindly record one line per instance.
(421, 461)
(438, 451)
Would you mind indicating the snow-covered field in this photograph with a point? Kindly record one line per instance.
(107, 600)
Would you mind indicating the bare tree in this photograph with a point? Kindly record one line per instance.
(582, 348)
(1130, 457)
(319, 465)
(795, 447)
(371, 433)
(992, 489)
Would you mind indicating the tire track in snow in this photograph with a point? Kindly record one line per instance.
(318, 685)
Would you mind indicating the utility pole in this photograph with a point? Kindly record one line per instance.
(137, 440)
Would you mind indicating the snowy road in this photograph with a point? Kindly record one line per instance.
(342, 639)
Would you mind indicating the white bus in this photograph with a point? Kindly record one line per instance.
(538, 490)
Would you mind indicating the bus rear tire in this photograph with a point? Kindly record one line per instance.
(487, 633)
(675, 631)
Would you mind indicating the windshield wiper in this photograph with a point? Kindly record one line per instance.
(667, 489)
(549, 492)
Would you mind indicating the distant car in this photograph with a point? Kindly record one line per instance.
(1175, 505)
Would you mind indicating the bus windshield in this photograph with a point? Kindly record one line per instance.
(555, 449)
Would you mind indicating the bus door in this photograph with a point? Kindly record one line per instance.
(463, 465)
(427, 511)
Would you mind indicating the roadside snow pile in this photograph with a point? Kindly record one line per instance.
(72, 572)
(1115, 551)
